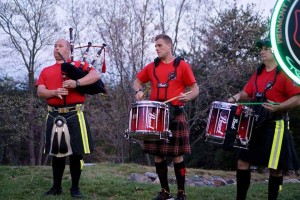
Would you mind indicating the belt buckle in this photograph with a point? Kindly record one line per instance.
(66, 109)
(79, 107)
(63, 110)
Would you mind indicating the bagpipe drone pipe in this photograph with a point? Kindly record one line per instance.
(75, 73)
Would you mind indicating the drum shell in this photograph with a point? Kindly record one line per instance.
(222, 118)
(149, 120)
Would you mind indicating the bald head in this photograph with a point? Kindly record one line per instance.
(63, 47)
(65, 42)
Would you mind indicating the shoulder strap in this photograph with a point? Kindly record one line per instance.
(278, 69)
(176, 61)
(260, 69)
(156, 61)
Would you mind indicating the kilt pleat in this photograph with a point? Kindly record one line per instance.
(178, 144)
(80, 137)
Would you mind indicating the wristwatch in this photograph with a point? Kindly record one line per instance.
(138, 90)
(77, 83)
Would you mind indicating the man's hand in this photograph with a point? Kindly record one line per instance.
(139, 95)
(183, 97)
(59, 92)
(271, 106)
(69, 84)
(235, 98)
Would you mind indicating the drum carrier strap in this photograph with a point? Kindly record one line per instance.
(268, 85)
(232, 127)
(172, 76)
(261, 97)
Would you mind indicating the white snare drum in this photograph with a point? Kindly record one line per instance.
(149, 120)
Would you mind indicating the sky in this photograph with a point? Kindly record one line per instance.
(262, 5)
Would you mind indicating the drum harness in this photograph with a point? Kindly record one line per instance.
(260, 96)
(261, 113)
(176, 109)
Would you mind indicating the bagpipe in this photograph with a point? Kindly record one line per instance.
(69, 69)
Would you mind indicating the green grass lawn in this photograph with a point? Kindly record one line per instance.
(109, 181)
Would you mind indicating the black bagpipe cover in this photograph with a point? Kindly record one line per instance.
(76, 73)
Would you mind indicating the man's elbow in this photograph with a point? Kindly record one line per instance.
(39, 94)
(137, 82)
(298, 100)
(195, 88)
(95, 76)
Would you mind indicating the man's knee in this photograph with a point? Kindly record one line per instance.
(244, 165)
(177, 159)
(159, 159)
(275, 172)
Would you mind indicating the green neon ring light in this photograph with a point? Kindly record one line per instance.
(276, 48)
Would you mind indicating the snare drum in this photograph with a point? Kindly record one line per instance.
(149, 120)
(221, 113)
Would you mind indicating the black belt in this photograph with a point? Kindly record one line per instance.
(278, 117)
(177, 110)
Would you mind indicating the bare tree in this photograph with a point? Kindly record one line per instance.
(30, 27)
(125, 26)
(77, 18)
(179, 14)
(162, 10)
(223, 64)
(174, 24)
(215, 39)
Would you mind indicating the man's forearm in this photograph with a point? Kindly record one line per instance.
(45, 93)
(90, 78)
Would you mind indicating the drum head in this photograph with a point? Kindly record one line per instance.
(224, 105)
(146, 103)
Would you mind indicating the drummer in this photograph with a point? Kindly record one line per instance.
(270, 144)
(169, 77)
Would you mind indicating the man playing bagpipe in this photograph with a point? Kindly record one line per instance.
(67, 130)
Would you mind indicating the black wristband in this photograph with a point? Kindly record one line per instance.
(139, 90)
(77, 83)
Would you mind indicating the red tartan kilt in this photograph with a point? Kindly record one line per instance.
(179, 143)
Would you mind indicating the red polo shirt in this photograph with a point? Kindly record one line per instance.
(184, 78)
(283, 89)
(52, 78)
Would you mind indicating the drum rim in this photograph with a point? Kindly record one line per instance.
(222, 104)
(150, 103)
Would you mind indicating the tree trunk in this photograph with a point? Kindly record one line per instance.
(31, 148)
(40, 147)
(31, 135)
(31, 138)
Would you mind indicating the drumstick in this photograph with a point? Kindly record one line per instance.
(147, 89)
(175, 97)
(256, 103)
(144, 92)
